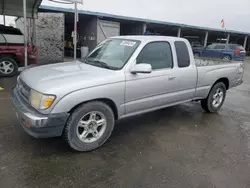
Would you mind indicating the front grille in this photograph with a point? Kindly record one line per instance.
(24, 89)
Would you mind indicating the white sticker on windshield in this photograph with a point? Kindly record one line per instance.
(128, 43)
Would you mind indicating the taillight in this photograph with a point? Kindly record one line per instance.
(237, 51)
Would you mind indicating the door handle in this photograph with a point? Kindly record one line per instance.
(171, 77)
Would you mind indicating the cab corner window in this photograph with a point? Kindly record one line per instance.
(157, 54)
(182, 52)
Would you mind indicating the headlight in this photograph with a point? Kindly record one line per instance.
(41, 101)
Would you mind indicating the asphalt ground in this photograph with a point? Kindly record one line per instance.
(180, 146)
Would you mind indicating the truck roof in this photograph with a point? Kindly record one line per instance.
(148, 38)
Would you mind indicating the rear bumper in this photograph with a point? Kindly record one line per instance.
(239, 57)
(36, 124)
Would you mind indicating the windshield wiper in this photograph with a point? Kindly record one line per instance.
(103, 64)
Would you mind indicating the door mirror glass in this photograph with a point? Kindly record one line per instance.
(142, 68)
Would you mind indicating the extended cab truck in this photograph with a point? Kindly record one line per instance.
(121, 77)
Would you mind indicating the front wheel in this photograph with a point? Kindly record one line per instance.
(8, 66)
(215, 99)
(89, 126)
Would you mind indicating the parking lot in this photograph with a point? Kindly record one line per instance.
(180, 146)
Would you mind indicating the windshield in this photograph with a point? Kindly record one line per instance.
(112, 53)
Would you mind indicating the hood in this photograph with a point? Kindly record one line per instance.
(68, 77)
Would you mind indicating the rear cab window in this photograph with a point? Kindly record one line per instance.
(183, 57)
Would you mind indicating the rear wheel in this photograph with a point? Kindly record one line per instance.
(89, 126)
(227, 58)
(215, 99)
(8, 66)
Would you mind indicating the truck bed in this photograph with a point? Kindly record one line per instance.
(209, 71)
(208, 62)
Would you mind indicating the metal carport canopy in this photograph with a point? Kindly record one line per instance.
(15, 8)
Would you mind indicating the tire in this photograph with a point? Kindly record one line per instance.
(8, 67)
(197, 55)
(227, 58)
(72, 132)
(209, 104)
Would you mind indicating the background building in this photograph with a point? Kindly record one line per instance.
(54, 27)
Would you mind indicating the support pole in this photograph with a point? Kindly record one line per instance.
(144, 28)
(228, 38)
(25, 35)
(75, 31)
(179, 32)
(245, 42)
(4, 20)
(34, 31)
(205, 40)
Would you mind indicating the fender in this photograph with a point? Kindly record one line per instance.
(114, 92)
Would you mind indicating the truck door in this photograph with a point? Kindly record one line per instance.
(148, 91)
(172, 81)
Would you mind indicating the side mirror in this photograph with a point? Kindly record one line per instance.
(142, 68)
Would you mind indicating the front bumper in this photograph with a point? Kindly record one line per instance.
(36, 124)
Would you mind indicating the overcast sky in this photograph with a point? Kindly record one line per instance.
(236, 14)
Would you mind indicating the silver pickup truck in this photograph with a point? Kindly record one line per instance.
(121, 77)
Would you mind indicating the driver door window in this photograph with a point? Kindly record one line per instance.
(157, 54)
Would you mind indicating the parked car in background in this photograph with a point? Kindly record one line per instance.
(12, 51)
(223, 51)
(121, 77)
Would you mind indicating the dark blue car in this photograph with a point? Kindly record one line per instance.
(223, 51)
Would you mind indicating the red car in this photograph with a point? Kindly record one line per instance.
(12, 51)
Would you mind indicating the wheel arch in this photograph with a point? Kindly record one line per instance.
(204, 102)
(224, 80)
(106, 101)
(10, 55)
(227, 54)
